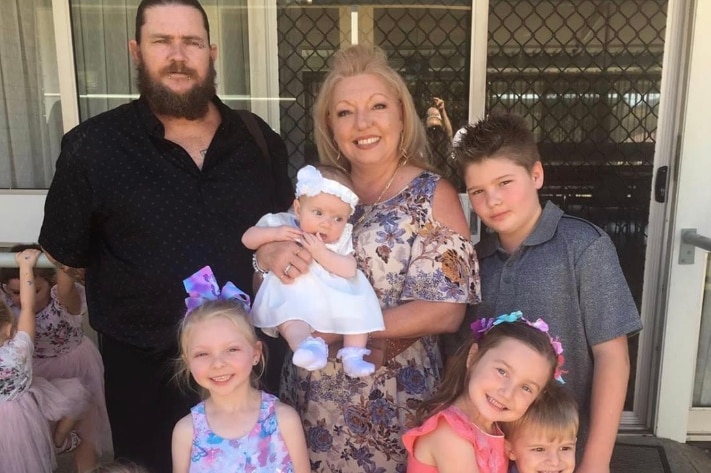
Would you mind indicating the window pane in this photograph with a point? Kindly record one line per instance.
(31, 118)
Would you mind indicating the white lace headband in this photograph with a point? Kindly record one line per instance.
(310, 182)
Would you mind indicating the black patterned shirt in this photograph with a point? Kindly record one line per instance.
(134, 210)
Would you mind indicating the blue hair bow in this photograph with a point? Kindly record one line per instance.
(202, 287)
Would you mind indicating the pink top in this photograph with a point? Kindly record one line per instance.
(489, 448)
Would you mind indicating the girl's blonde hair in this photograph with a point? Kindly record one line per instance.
(357, 60)
(231, 310)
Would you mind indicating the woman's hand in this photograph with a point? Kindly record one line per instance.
(287, 260)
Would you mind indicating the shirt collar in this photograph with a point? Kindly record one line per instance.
(154, 126)
(543, 231)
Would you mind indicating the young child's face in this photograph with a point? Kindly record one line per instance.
(504, 381)
(219, 356)
(535, 451)
(324, 215)
(42, 293)
(505, 195)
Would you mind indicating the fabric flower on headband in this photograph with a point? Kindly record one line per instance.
(310, 182)
(202, 287)
(482, 326)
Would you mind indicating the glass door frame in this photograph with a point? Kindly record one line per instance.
(675, 418)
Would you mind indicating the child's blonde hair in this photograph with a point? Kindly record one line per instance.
(232, 310)
(553, 414)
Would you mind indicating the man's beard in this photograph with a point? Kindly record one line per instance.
(190, 105)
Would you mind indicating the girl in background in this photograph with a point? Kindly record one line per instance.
(237, 427)
(494, 378)
(63, 351)
(27, 404)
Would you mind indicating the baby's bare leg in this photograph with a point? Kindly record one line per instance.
(295, 332)
(358, 340)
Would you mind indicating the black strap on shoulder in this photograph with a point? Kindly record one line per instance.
(253, 128)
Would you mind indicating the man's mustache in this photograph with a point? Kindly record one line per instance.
(179, 69)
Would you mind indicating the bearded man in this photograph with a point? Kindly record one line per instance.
(145, 195)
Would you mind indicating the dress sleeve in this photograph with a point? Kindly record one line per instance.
(443, 267)
(75, 320)
(66, 228)
(276, 220)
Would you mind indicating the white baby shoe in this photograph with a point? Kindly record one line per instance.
(312, 354)
(353, 363)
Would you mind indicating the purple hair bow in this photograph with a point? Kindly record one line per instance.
(202, 287)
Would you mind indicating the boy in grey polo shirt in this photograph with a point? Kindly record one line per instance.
(554, 266)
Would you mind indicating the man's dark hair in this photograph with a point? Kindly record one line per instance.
(145, 4)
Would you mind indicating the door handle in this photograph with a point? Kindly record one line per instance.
(660, 184)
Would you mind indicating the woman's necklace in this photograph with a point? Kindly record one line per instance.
(380, 196)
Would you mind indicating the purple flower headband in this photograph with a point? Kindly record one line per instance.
(482, 326)
(202, 287)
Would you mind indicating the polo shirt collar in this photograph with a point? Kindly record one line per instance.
(543, 231)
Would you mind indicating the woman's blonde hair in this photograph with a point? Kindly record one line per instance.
(353, 61)
(231, 310)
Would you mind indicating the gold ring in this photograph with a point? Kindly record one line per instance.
(286, 270)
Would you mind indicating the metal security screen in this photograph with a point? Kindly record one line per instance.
(586, 76)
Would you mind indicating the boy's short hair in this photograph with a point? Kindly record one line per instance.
(499, 135)
(553, 414)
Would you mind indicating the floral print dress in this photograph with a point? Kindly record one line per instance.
(356, 424)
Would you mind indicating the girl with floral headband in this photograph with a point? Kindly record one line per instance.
(508, 362)
(333, 296)
(237, 427)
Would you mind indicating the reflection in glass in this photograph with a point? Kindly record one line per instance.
(31, 118)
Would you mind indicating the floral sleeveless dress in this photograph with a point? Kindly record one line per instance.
(262, 450)
(355, 425)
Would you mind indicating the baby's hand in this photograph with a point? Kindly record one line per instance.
(438, 103)
(313, 243)
(27, 258)
(287, 233)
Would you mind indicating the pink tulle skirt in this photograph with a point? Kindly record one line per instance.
(25, 437)
(83, 362)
